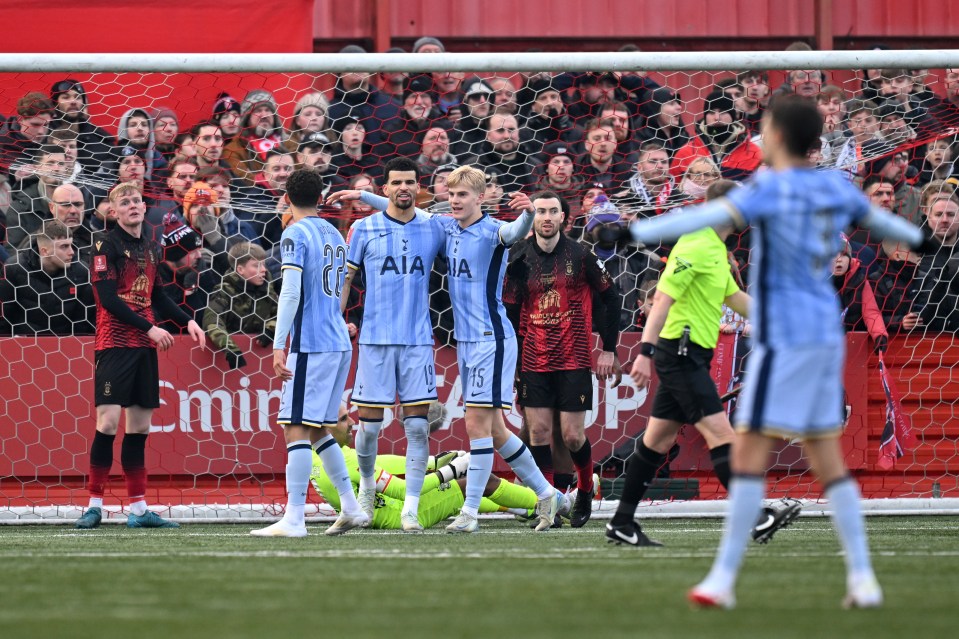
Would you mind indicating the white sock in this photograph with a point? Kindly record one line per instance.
(417, 452)
(335, 466)
(95, 502)
(517, 455)
(299, 464)
(847, 517)
(139, 507)
(481, 465)
(745, 502)
(366, 442)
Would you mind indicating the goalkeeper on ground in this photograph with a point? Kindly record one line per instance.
(442, 495)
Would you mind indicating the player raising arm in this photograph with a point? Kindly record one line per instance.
(314, 375)
(127, 286)
(486, 344)
(796, 213)
(395, 249)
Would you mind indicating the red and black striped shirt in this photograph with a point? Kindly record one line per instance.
(554, 293)
(131, 264)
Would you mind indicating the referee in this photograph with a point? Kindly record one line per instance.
(551, 285)
(680, 335)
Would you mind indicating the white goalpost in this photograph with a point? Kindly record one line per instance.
(214, 453)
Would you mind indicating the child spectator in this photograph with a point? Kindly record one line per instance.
(244, 302)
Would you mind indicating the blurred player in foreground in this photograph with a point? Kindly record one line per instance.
(795, 390)
(681, 332)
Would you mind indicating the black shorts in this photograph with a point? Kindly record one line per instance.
(127, 377)
(686, 392)
(566, 391)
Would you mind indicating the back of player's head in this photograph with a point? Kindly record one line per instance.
(304, 188)
(400, 165)
(548, 194)
(468, 176)
(798, 122)
(720, 188)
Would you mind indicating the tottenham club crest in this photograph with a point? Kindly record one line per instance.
(287, 248)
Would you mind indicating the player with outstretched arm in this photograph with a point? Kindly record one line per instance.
(395, 250)
(795, 390)
(475, 249)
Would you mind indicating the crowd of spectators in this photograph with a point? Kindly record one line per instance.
(615, 145)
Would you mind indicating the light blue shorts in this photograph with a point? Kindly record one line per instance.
(385, 371)
(794, 392)
(487, 370)
(313, 396)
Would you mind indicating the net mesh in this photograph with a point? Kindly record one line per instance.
(648, 142)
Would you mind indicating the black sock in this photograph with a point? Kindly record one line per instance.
(720, 458)
(562, 481)
(132, 451)
(640, 470)
(101, 450)
(543, 456)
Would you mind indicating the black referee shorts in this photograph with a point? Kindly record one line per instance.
(566, 391)
(686, 392)
(127, 377)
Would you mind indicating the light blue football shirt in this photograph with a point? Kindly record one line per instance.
(396, 258)
(314, 247)
(477, 266)
(796, 217)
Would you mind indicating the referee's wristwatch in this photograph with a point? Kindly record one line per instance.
(648, 349)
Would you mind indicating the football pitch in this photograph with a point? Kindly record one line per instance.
(216, 581)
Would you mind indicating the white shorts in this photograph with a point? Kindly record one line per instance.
(796, 392)
(313, 396)
(383, 372)
(487, 370)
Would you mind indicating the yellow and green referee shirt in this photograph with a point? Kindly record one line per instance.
(699, 279)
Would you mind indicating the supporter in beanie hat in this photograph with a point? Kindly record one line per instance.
(430, 44)
(200, 195)
(93, 143)
(226, 113)
(264, 127)
(166, 126)
(179, 241)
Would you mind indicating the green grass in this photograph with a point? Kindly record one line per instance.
(505, 581)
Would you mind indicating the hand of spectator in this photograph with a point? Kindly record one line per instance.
(911, 321)
(279, 365)
(204, 223)
(263, 340)
(24, 172)
(235, 360)
(160, 337)
(641, 371)
(520, 202)
(282, 205)
(343, 196)
(196, 333)
(882, 343)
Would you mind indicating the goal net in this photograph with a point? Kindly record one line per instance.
(212, 140)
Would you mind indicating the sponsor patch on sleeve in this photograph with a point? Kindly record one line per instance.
(99, 263)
